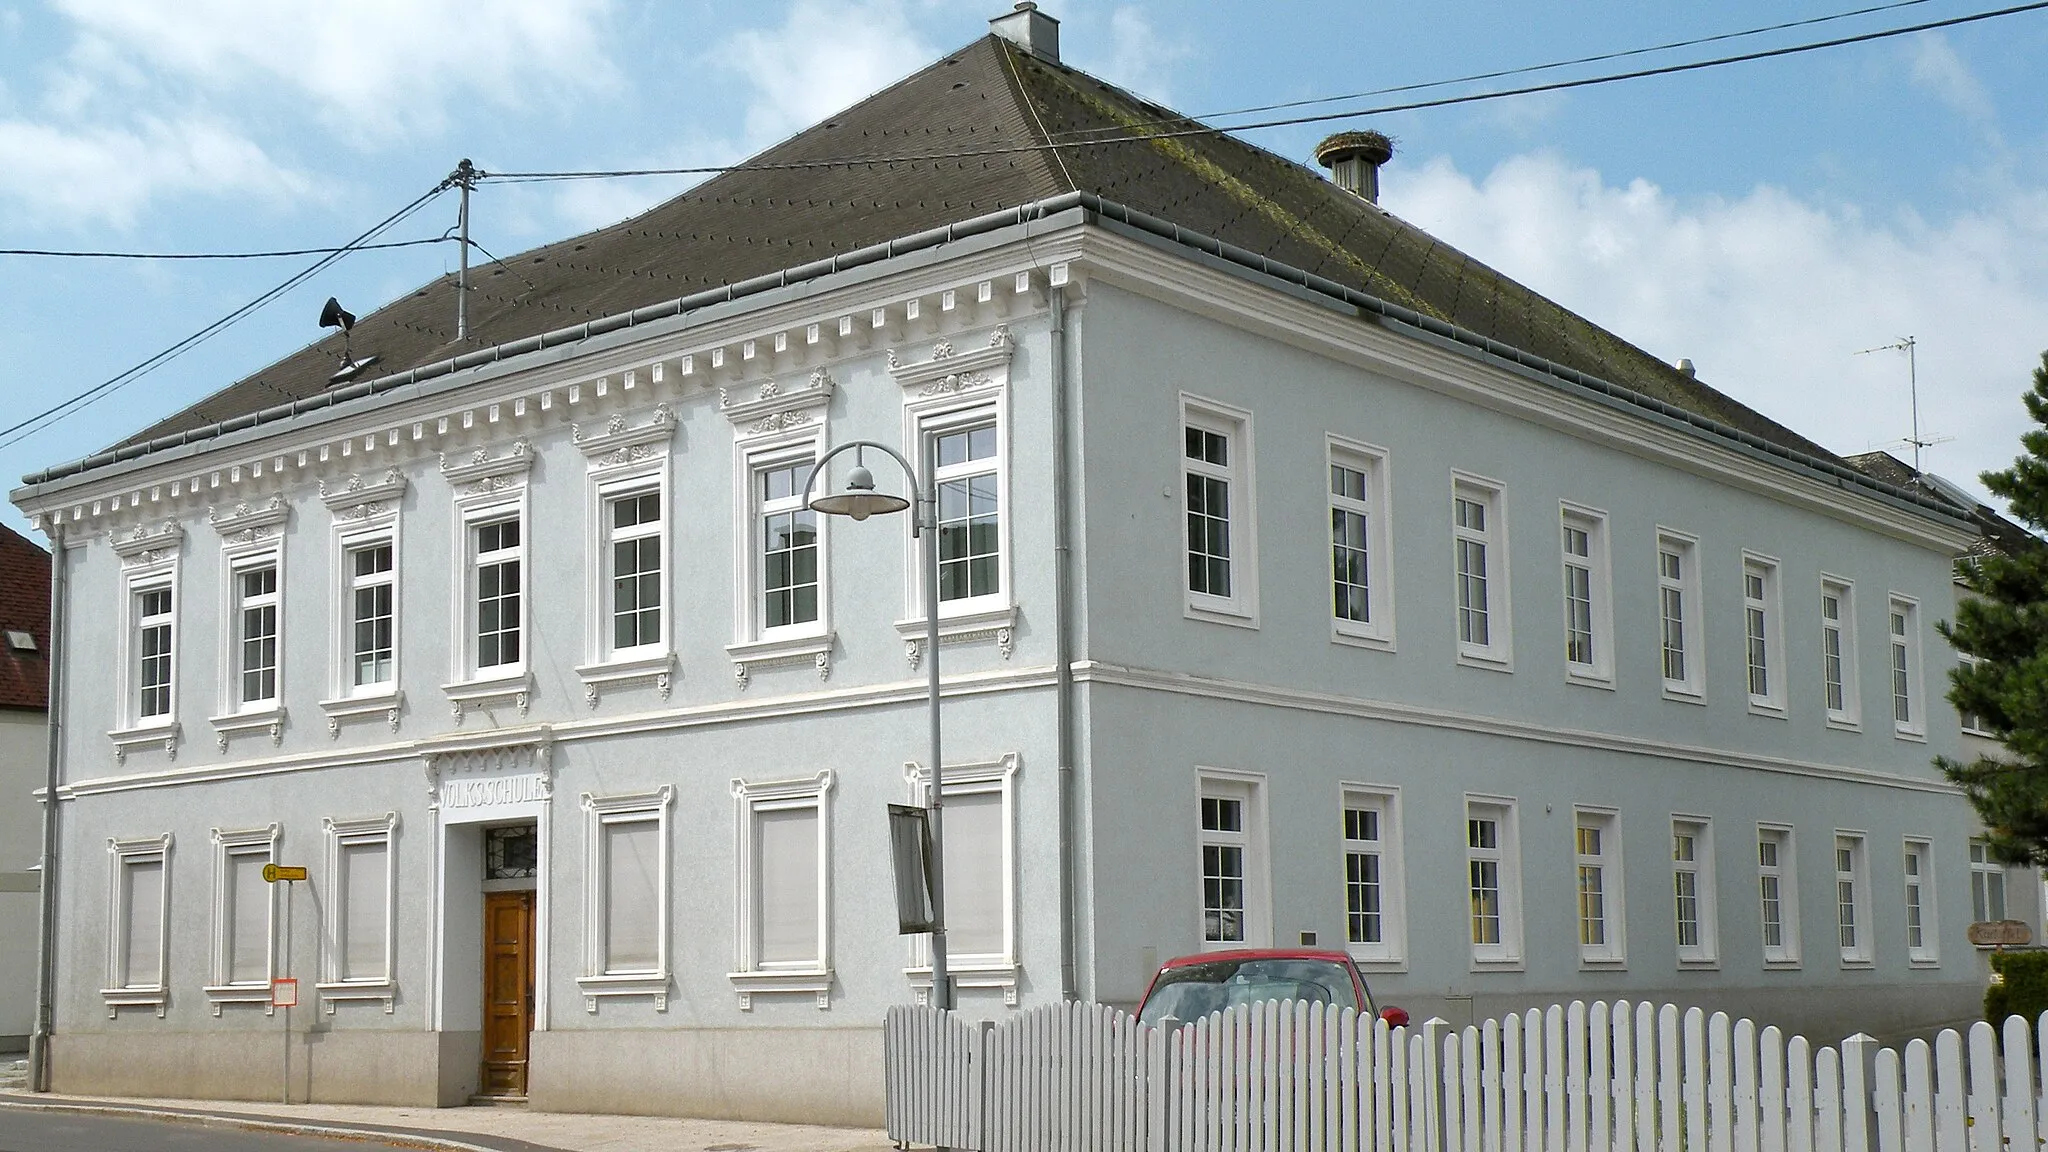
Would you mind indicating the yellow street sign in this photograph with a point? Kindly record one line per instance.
(272, 873)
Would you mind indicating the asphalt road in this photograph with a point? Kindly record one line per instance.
(22, 1130)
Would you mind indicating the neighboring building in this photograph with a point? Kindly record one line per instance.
(24, 763)
(1303, 578)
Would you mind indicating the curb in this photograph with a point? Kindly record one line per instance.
(392, 1138)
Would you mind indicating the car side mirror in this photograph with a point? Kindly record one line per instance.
(1395, 1017)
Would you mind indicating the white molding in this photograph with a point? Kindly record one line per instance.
(482, 473)
(390, 704)
(145, 547)
(657, 671)
(154, 733)
(357, 499)
(621, 444)
(776, 408)
(1004, 969)
(332, 988)
(598, 811)
(951, 371)
(814, 649)
(115, 994)
(998, 625)
(245, 524)
(750, 977)
(486, 693)
(268, 719)
(219, 989)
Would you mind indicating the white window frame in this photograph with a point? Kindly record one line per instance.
(365, 515)
(1917, 868)
(1853, 937)
(756, 646)
(237, 715)
(1507, 855)
(1612, 952)
(260, 843)
(339, 834)
(1000, 969)
(750, 977)
(1986, 873)
(1390, 953)
(1241, 607)
(151, 563)
(120, 992)
(626, 460)
(489, 489)
(1498, 653)
(600, 812)
(1599, 565)
(1908, 646)
(1690, 688)
(1705, 951)
(1249, 789)
(1841, 633)
(1764, 614)
(924, 420)
(1784, 954)
(1377, 509)
(1971, 723)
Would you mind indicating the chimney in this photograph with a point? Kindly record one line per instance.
(1029, 29)
(1686, 369)
(1354, 160)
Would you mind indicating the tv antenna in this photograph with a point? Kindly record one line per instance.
(1908, 345)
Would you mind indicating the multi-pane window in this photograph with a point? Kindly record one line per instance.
(1760, 632)
(1921, 931)
(1480, 570)
(967, 466)
(788, 542)
(1678, 611)
(1777, 895)
(1208, 475)
(634, 523)
(256, 634)
(496, 556)
(1224, 842)
(1970, 722)
(1692, 884)
(1219, 505)
(1852, 900)
(1838, 651)
(1350, 545)
(1987, 883)
(371, 637)
(1489, 862)
(153, 653)
(1598, 861)
(1584, 547)
(1907, 710)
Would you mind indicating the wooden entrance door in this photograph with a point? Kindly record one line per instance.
(508, 991)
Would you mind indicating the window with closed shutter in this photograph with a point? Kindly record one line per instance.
(786, 868)
(366, 895)
(632, 896)
(974, 874)
(142, 903)
(249, 914)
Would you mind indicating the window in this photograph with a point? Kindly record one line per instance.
(1217, 493)
(787, 536)
(625, 924)
(956, 427)
(243, 905)
(359, 958)
(153, 653)
(1692, 883)
(1372, 876)
(1987, 883)
(255, 655)
(783, 940)
(138, 945)
(1922, 927)
(1908, 712)
(980, 866)
(1838, 652)
(1232, 844)
(781, 602)
(968, 472)
(1588, 619)
(1970, 722)
(633, 526)
(1597, 845)
(1678, 606)
(1479, 563)
(1761, 634)
(1361, 602)
(1852, 900)
(1778, 892)
(372, 613)
(1490, 861)
(496, 585)
(626, 574)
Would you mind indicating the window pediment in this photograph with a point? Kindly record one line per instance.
(357, 498)
(483, 473)
(146, 545)
(775, 406)
(619, 442)
(247, 524)
(950, 370)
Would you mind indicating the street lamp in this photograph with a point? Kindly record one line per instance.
(860, 500)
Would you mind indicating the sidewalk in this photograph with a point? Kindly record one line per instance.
(509, 1129)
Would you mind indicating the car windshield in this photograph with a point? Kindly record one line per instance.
(1192, 991)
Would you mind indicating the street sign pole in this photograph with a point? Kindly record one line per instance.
(290, 889)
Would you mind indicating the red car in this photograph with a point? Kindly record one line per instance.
(1187, 988)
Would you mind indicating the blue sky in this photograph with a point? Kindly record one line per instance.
(1766, 220)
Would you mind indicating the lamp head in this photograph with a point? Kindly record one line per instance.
(860, 500)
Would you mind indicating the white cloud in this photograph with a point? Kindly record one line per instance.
(824, 57)
(1772, 296)
(373, 68)
(1939, 71)
(108, 174)
(1140, 59)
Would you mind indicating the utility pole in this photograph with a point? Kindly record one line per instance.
(464, 177)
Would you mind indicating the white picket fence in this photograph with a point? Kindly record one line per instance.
(1299, 1077)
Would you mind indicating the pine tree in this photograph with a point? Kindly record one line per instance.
(2003, 624)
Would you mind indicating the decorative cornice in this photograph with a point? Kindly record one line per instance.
(146, 545)
(775, 407)
(482, 472)
(621, 443)
(950, 370)
(246, 525)
(537, 738)
(359, 499)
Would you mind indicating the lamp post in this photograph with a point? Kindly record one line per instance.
(860, 500)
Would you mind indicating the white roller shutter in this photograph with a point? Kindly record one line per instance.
(366, 914)
(974, 874)
(632, 896)
(248, 914)
(786, 875)
(143, 950)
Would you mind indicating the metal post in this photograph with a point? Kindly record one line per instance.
(465, 179)
(46, 877)
(289, 889)
(928, 516)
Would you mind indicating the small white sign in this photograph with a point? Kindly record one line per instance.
(284, 993)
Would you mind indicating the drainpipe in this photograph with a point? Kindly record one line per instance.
(1063, 637)
(46, 967)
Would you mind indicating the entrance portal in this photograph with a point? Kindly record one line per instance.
(508, 991)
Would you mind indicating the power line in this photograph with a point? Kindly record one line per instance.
(1283, 122)
(55, 412)
(224, 255)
